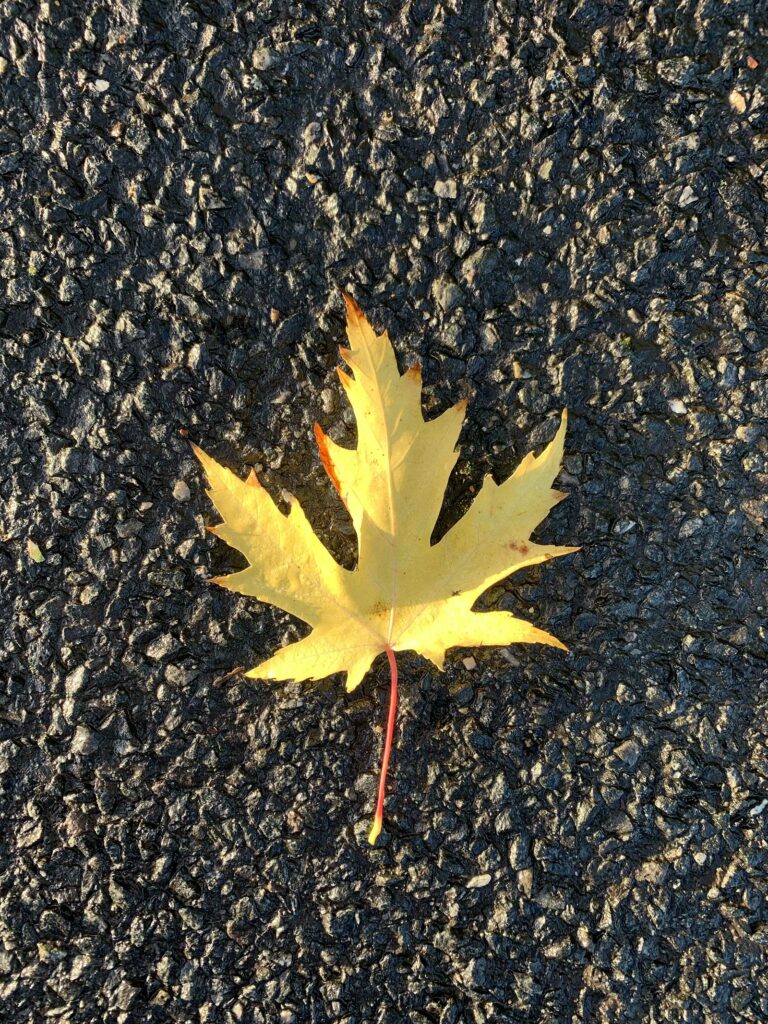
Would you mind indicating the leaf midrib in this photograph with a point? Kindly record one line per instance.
(374, 376)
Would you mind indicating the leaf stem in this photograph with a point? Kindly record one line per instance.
(378, 817)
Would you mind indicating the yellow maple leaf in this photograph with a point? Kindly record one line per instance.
(405, 593)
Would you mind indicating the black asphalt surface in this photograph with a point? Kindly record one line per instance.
(550, 205)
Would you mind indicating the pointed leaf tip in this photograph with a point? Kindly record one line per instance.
(346, 380)
(352, 308)
(204, 459)
(325, 457)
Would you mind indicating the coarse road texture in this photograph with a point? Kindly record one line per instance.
(549, 204)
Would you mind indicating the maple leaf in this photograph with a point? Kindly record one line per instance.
(405, 592)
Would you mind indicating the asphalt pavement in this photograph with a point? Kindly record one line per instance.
(550, 205)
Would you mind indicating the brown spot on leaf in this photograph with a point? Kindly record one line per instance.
(522, 548)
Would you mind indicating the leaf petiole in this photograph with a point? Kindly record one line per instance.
(378, 817)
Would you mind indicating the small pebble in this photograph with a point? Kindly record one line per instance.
(263, 59)
(677, 407)
(687, 196)
(623, 526)
(181, 491)
(84, 740)
(34, 552)
(737, 101)
(628, 752)
(469, 663)
(101, 85)
(478, 881)
(446, 189)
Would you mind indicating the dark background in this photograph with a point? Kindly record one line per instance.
(548, 204)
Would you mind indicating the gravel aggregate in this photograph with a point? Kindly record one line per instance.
(548, 204)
